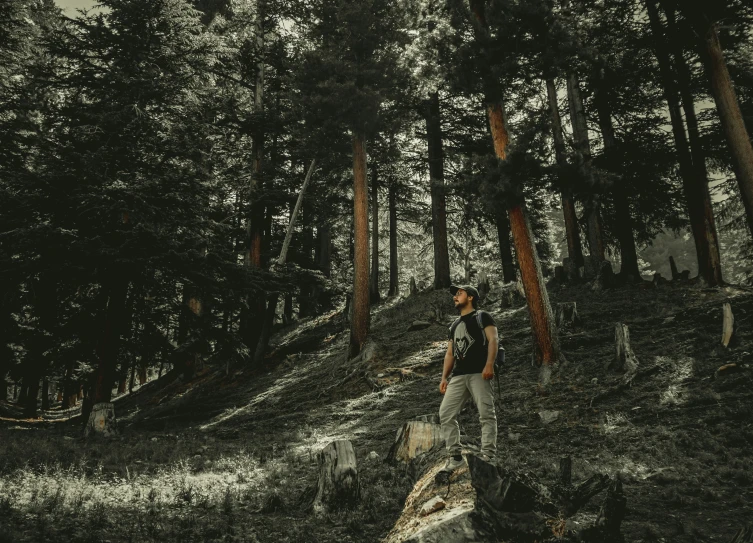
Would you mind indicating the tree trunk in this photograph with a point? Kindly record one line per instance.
(132, 378)
(728, 107)
(574, 248)
(728, 324)
(338, 486)
(624, 359)
(109, 345)
(394, 286)
(32, 395)
(695, 185)
(583, 154)
(505, 248)
(623, 221)
(374, 279)
(711, 270)
(359, 326)
(438, 206)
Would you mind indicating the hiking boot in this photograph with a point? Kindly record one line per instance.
(452, 464)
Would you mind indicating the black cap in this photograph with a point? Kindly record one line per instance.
(471, 291)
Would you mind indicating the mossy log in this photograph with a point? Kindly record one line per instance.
(338, 486)
(101, 421)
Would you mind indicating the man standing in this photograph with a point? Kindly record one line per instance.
(471, 351)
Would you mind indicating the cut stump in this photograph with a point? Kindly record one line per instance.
(567, 314)
(338, 485)
(728, 325)
(413, 288)
(625, 359)
(414, 438)
(101, 421)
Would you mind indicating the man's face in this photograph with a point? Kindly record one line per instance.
(461, 299)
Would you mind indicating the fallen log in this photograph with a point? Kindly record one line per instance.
(728, 324)
(484, 502)
(338, 485)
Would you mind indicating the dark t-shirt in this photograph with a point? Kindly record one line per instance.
(469, 349)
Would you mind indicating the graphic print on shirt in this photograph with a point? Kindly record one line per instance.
(463, 340)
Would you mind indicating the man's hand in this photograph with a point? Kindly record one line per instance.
(488, 372)
(443, 386)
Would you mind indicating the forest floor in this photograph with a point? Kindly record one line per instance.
(233, 457)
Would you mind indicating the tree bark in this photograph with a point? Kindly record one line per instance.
(374, 277)
(109, 345)
(574, 248)
(728, 107)
(359, 326)
(583, 155)
(695, 183)
(394, 285)
(438, 204)
(505, 247)
(623, 221)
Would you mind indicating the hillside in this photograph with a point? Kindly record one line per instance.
(233, 457)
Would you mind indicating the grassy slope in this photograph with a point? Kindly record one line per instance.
(232, 458)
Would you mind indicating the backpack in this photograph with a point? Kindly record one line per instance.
(498, 361)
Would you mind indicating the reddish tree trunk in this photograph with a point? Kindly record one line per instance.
(374, 296)
(505, 248)
(436, 180)
(359, 326)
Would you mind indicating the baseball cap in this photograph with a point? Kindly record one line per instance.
(471, 291)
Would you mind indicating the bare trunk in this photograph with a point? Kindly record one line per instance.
(695, 186)
(394, 287)
(583, 155)
(438, 205)
(359, 326)
(374, 278)
(505, 248)
(623, 221)
(109, 345)
(574, 248)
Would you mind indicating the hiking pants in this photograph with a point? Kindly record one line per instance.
(459, 389)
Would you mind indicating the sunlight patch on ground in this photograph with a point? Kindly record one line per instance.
(176, 484)
(676, 392)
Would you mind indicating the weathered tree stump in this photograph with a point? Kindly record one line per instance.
(413, 288)
(659, 280)
(338, 486)
(567, 314)
(484, 286)
(673, 269)
(684, 275)
(604, 277)
(728, 325)
(510, 295)
(559, 274)
(572, 272)
(624, 360)
(101, 420)
(414, 438)
(745, 535)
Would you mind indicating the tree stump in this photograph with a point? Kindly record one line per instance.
(604, 277)
(673, 269)
(624, 360)
(101, 420)
(728, 325)
(338, 486)
(414, 438)
(413, 288)
(484, 286)
(573, 273)
(510, 295)
(567, 314)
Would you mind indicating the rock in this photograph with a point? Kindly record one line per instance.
(373, 455)
(418, 325)
(513, 438)
(197, 457)
(433, 505)
(548, 417)
(154, 439)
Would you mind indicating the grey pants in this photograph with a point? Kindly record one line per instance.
(459, 389)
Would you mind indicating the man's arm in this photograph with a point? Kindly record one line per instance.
(449, 363)
(492, 342)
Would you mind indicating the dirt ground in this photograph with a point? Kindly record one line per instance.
(233, 457)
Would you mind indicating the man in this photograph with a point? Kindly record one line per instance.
(470, 359)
